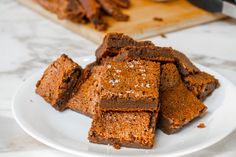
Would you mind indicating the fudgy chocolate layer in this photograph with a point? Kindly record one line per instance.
(150, 53)
(58, 81)
(201, 84)
(129, 129)
(114, 42)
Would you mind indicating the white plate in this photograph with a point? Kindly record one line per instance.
(67, 131)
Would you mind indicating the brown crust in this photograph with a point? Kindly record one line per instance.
(151, 53)
(83, 97)
(128, 105)
(134, 139)
(193, 109)
(113, 42)
(119, 47)
(120, 91)
(178, 105)
(201, 84)
(185, 66)
(58, 81)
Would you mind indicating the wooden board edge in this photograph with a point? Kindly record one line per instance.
(180, 26)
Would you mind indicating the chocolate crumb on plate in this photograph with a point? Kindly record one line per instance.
(201, 125)
(163, 35)
(157, 19)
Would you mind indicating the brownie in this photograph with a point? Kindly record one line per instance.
(178, 105)
(72, 10)
(58, 81)
(151, 53)
(83, 99)
(112, 9)
(170, 76)
(113, 42)
(93, 13)
(185, 66)
(122, 3)
(65, 9)
(129, 86)
(201, 84)
(130, 129)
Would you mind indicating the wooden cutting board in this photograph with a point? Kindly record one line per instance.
(177, 14)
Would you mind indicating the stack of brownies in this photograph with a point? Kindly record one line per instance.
(131, 89)
(83, 11)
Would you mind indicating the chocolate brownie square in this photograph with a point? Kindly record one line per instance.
(201, 84)
(129, 86)
(178, 105)
(130, 129)
(84, 98)
(113, 42)
(185, 66)
(58, 81)
(151, 53)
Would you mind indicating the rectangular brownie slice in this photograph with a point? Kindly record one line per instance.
(84, 97)
(58, 81)
(151, 53)
(130, 129)
(113, 42)
(178, 105)
(129, 86)
(184, 65)
(201, 84)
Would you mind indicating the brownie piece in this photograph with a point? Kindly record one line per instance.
(83, 99)
(113, 42)
(58, 81)
(111, 9)
(65, 9)
(185, 66)
(170, 76)
(122, 3)
(93, 13)
(129, 86)
(72, 10)
(201, 84)
(130, 129)
(151, 53)
(178, 105)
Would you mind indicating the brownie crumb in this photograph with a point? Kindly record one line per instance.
(201, 125)
(163, 35)
(116, 146)
(158, 19)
